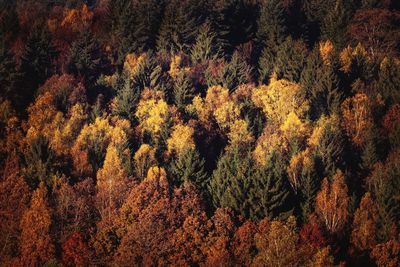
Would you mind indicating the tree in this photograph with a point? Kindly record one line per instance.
(36, 244)
(205, 48)
(121, 21)
(363, 236)
(126, 99)
(357, 117)
(280, 98)
(375, 29)
(230, 75)
(269, 195)
(85, 57)
(75, 252)
(181, 140)
(189, 166)
(290, 60)
(9, 75)
(14, 200)
(282, 248)
(321, 85)
(387, 254)
(389, 78)
(183, 91)
(179, 26)
(332, 203)
(271, 28)
(230, 181)
(112, 184)
(152, 113)
(38, 161)
(384, 184)
(36, 63)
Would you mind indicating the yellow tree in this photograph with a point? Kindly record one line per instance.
(181, 140)
(112, 184)
(152, 112)
(91, 144)
(282, 246)
(144, 158)
(36, 244)
(364, 224)
(279, 99)
(132, 63)
(332, 203)
(357, 117)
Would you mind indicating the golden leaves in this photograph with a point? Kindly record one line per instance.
(279, 99)
(152, 113)
(181, 139)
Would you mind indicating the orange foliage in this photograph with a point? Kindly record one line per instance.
(332, 203)
(36, 243)
(357, 117)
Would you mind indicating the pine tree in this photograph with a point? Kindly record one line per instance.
(161, 81)
(147, 24)
(321, 84)
(9, 75)
(206, 47)
(230, 181)
(179, 26)
(127, 99)
(36, 63)
(271, 28)
(38, 161)
(290, 60)
(266, 65)
(234, 22)
(334, 24)
(388, 81)
(189, 167)
(121, 20)
(183, 91)
(85, 58)
(270, 194)
(231, 75)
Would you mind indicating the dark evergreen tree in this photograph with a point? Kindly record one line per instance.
(231, 75)
(334, 23)
(270, 194)
(121, 19)
(266, 65)
(127, 99)
(38, 162)
(36, 63)
(271, 28)
(321, 85)
(161, 81)
(330, 152)
(85, 58)
(234, 21)
(183, 91)
(229, 184)
(148, 73)
(309, 185)
(290, 60)
(9, 25)
(389, 80)
(206, 47)
(148, 19)
(180, 25)
(189, 166)
(9, 75)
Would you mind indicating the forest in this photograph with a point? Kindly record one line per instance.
(200, 133)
